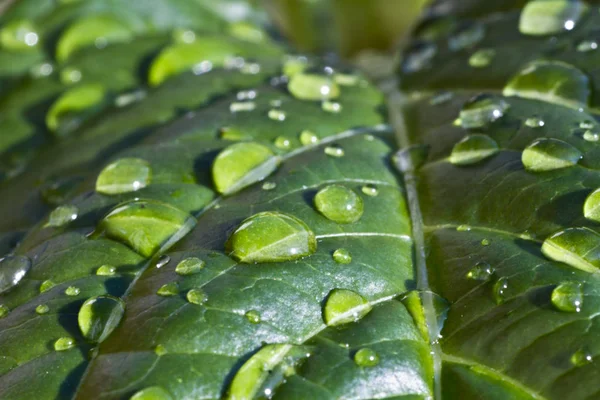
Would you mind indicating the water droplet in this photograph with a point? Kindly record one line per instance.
(147, 226)
(534, 122)
(482, 58)
(46, 285)
(549, 17)
(12, 270)
(366, 357)
(568, 297)
(331, 106)
(19, 35)
(581, 357)
(242, 106)
(196, 296)
(485, 242)
(168, 289)
(587, 46)
(591, 207)
(335, 150)
(472, 149)
(162, 261)
(123, 176)
(482, 271)
(269, 185)
(152, 393)
(551, 81)
(246, 95)
(281, 142)
(4, 310)
(339, 204)
(190, 266)
(549, 154)
(160, 350)
(72, 291)
(587, 124)
(370, 190)
(343, 306)
(576, 247)
(70, 75)
(591, 135)
(42, 309)
(62, 215)
(106, 270)
(64, 343)
(467, 36)
(277, 115)
(99, 316)
(482, 110)
(271, 237)
(342, 256)
(419, 57)
(463, 228)
(500, 290)
(253, 316)
(313, 87)
(308, 138)
(242, 164)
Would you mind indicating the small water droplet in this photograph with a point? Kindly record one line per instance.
(168, 289)
(485, 242)
(12, 270)
(42, 309)
(482, 58)
(342, 256)
(152, 393)
(242, 106)
(64, 343)
(281, 142)
(253, 316)
(370, 190)
(269, 185)
(46, 285)
(335, 150)
(106, 270)
(473, 149)
(568, 297)
(366, 357)
(575, 247)
(190, 266)
(62, 215)
(482, 110)
(331, 106)
(463, 228)
(339, 204)
(547, 154)
(123, 176)
(196, 296)
(587, 46)
(99, 316)
(128, 98)
(277, 115)
(160, 350)
(542, 17)
(343, 306)
(581, 357)
(313, 87)
(308, 138)
(500, 290)
(418, 57)
(534, 122)
(243, 95)
(162, 261)
(466, 36)
(482, 271)
(587, 124)
(4, 310)
(72, 291)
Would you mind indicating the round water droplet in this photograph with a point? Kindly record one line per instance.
(12, 270)
(581, 357)
(271, 237)
(500, 290)
(343, 306)
(18, 35)
(568, 297)
(106, 270)
(269, 185)
(482, 110)
(168, 289)
(463, 228)
(160, 350)
(46, 285)
(162, 261)
(366, 357)
(482, 58)
(577, 247)
(123, 176)
(473, 149)
(331, 106)
(242, 164)
(482, 271)
(196, 296)
(313, 87)
(152, 393)
(370, 190)
(64, 343)
(587, 46)
(72, 291)
(253, 316)
(591, 135)
(534, 122)
(281, 142)
(190, 266)
(485, 242)
(549, 17)
(549, 154)
(99, 316)
(335, 150)
(339, 204)
(42, 309)
(62, 215)
(551, 81)
(418, 57)
(308, 138)
(591, 207)
(4, 310)
(277, 115)
(466, 36)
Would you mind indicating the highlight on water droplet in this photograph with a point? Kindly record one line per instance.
(152, 393)
(123, 176)
(339, 204)
(473, 149)
(482, 271)
(271, 237)
(343, 306)
(190, 266)
(196, 296)
(568, 297)
(576, 247)
(500, 290)
(313, 87)
(99, 316)
(547, 154)
(534, 122)
(62, 215)
(64, 343)
(581, 357)
(12, 270)
(550, 17)
(168, 289)
(366, 357)
(253, 316)
(591, 207)
(342, 256)
(482, 110)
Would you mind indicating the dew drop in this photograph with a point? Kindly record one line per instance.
(196, 296)
(482, 271)
(581, 357)
(123, 176)
(168, 289)
(106, 270)
(281, 142)
(277, 115)
(335, 150)
(534, 122)
(577, 247)
(587, 46)
(152, 393)
(269, 185)
(482, 58)
(482, 110)
(343, 306)
(308, 138)
(500, 290)
(370, 190)
(463, 228)
(46, 285)
(313, 87)
(339, 204)
(64, 343)
(189, 266)
(72, 291)
(591, 207)
(485, 242)
(42, 309)
(547, 154)
(591, 135)
(473, 149)
(162, 261)
(62, 215)
(419, 57)
(549, 17)
(568, 297)
(342, 256)
(99, 316)
(242, 106)
(12, 270)
(331, 106)
(253, 316)
(366, 357)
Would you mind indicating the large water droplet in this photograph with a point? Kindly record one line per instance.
(62, 215)
(147, 226)
(343, 306)
(482, 110)
(152, 393)
(472, 149)
(581, 357)
(500, 290)
(64, 343)
(339, 204)
(65, 114)
(313, 87)
(196, 296)
(482, 58)
(577, 247)
(549, 154)
(242, 164)
(123, 176)
(190, 266)
(271, 237)
(568, 297)
(99, 316)
(591, 207)
(12, 270)
(482, 271)
(549, 17)
(551, 81)
(342, 256)
(18, 35)
(366, 357)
